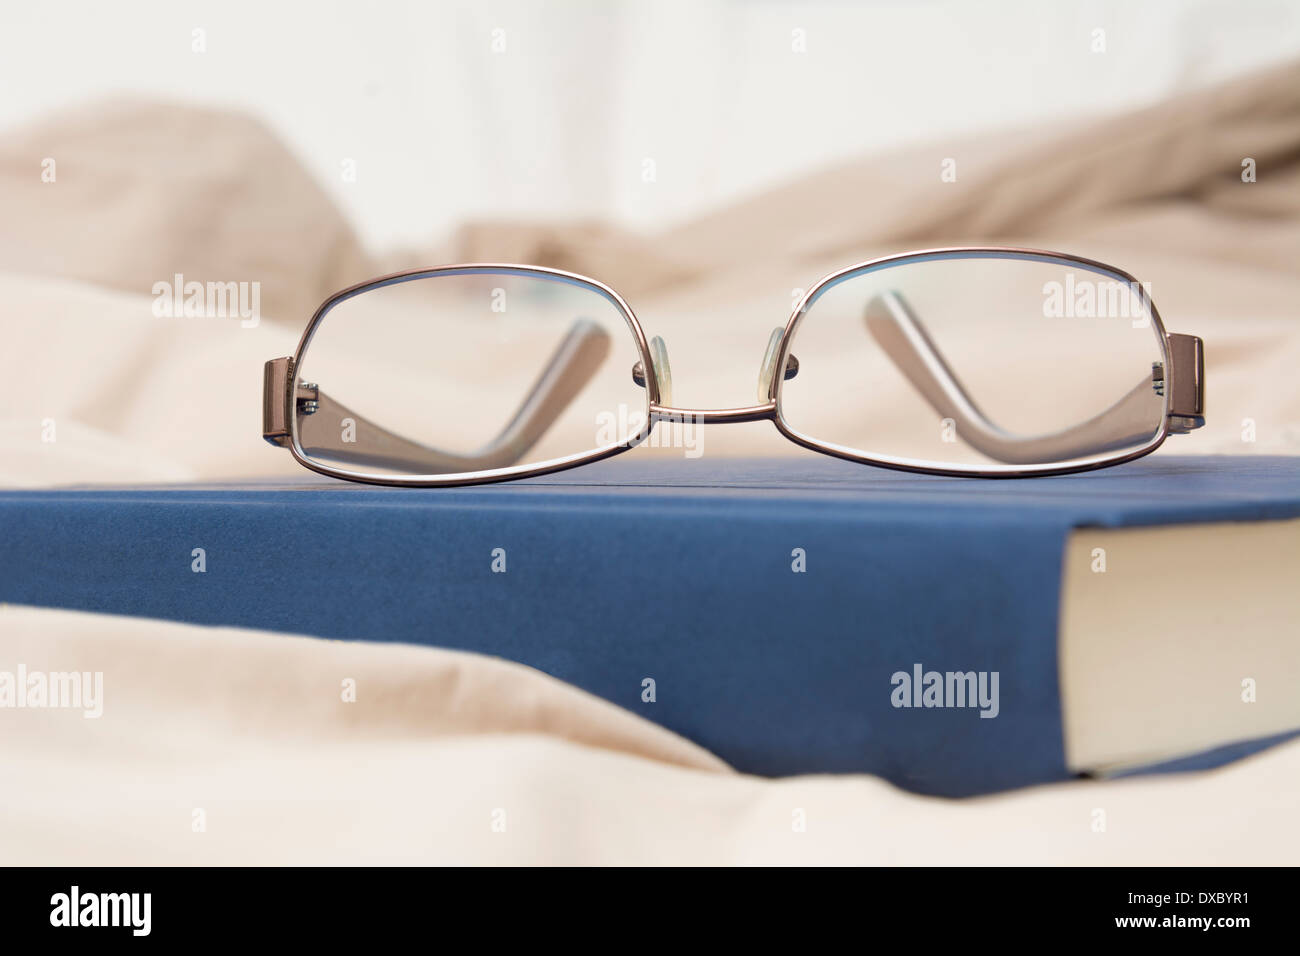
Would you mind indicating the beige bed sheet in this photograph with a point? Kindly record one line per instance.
(226, 746)
(249, 728)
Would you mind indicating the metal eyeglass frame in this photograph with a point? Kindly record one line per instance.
(1179, 380)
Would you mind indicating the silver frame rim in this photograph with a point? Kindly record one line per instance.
(919, 467)
(471, 478)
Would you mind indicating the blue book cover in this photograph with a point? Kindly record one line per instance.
(800, 615)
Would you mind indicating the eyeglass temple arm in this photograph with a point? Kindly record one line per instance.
(1130, 421)
(321, 430)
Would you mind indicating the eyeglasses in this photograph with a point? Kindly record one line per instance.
(986, 362)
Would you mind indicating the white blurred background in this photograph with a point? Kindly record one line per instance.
(451, 111)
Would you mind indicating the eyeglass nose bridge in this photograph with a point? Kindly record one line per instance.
(663, 409)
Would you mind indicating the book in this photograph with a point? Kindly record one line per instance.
(795, 615)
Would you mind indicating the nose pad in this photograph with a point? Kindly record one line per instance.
(663, 371)
(768, 369)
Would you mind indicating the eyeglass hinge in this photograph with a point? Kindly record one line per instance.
(1187, 385)
(276, 375)
(308, 398)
